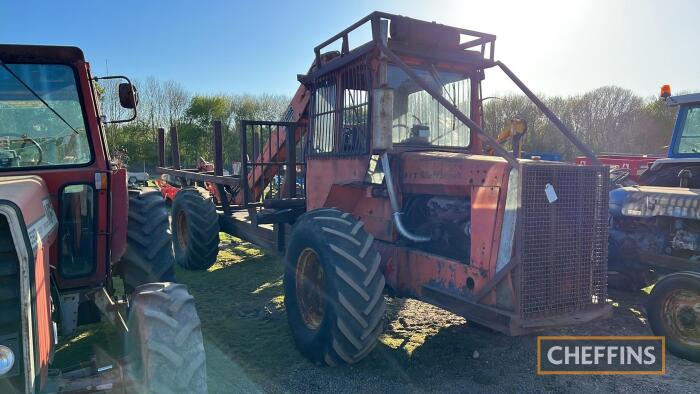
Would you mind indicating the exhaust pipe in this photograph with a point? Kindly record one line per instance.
(395, 208)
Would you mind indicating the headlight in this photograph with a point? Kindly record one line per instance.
(7, 360)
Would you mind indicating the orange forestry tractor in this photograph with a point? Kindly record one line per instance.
(68, 226)
(379, 178)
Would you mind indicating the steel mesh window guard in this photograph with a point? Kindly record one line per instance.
(340, 113)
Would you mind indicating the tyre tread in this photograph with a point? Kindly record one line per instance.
(358, 304)
(202, 228)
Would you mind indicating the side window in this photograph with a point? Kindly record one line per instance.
(323, 118)
(355, 125)
(690, 137)
(340, 113)
(77, 231)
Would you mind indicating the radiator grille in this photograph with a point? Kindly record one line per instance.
(10, 311)
(564, 243)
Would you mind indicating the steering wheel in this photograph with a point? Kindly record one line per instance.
(618, 175)
(36, 146)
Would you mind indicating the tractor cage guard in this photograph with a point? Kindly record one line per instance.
(250, 194)
(485, 42)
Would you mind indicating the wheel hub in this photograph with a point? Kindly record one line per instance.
(181, 225)
(310, 288)
(687, 318)
(682, 313)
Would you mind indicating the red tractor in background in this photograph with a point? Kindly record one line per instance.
(398, 193)
(69, 226)
(625, 166)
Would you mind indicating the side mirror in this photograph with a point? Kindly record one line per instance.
(128, 96)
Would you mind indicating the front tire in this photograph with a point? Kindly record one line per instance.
(333, 288)
(674, 312)
(195, 228)
(164, 341)
(149, 249)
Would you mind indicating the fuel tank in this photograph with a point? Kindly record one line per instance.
(28, 228)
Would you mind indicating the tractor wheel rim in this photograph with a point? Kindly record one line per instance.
(682, 316)
(181, 225)
(310, 288)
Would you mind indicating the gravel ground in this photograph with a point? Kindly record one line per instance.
(423, 349)
(457, 357)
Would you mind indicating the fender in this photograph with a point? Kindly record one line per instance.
(650, 201)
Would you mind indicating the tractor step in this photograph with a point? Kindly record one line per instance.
(284, 203)
(283, 215)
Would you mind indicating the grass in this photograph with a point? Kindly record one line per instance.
(241, 305)
(240, 302)
(249, 345)
(103, 341)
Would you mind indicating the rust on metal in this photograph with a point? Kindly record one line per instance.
(310, 288)
(564, 243)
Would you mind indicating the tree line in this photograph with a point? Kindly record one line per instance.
(166, 104)
(607, 119)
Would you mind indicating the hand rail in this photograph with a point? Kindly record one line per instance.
(550, 115)
(480, 38)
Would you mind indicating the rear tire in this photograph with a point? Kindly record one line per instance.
(674, 312)
(333, 286)
(164, 342)
(195, 229)
(149, 249)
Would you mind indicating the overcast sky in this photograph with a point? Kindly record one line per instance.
(556, 47)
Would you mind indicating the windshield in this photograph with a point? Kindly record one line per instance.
(690, 132)
(48, 130)
(421, 120)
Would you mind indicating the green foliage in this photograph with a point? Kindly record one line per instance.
(167, 104)
(607, 119)
(195, 130)
(138, 141)
(205, 109)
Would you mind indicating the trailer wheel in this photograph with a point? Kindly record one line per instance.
(333, 288)
(195, 228)
(149, 251)
(164, 342)
(674, 312)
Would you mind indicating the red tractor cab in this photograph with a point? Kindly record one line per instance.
(69, 226)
